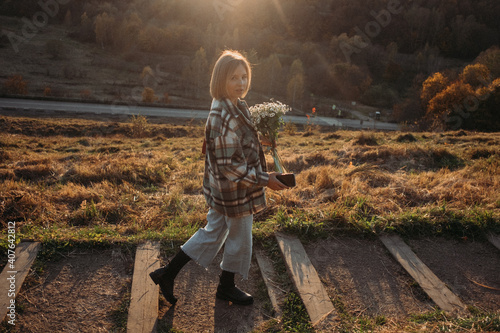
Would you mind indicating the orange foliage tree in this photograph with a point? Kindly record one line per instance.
(476, 75)
(148, 95)
(16, 85)
(469, 102)
(432, 86)
(447, 102)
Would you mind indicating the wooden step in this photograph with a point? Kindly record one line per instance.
(306, 279)
(143, 309)
(14, 274)
(428, 281)
(276, 295)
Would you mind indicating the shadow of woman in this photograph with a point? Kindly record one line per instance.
(232, 318)
(166, 323)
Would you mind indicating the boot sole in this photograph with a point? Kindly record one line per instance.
(226, 298)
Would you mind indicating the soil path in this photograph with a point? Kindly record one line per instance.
(363, 275)
(84, 291)
(470, 269)
(198, 310)
(78, 293)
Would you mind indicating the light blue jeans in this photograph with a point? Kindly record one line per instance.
(234, 233)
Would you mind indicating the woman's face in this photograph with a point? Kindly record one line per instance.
(237, 83)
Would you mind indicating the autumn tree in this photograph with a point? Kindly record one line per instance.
(487, 116)
(491, 59)
(295, 89)
(432, 86)
(476, 75)
(146, 71)
(468, 102)
(296, 68)
(151, 39)
(68, 18)
(148, 95)
(350, 80)
(148, 78)
(104, 29)
(196, 73)
(128, 33)
(295, 86)
(86, 32)
(199, 67)
(449, 103)
(16, 85)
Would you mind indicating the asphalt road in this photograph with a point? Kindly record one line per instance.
(35, 105)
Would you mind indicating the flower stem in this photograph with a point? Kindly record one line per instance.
(278, 163)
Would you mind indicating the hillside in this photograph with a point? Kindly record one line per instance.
(322, 52)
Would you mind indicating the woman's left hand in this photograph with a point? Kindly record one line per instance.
(275, 184)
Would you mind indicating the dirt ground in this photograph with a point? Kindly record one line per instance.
(84, 291)
(368, 281)
(78, 293)
(470, 269)
(198, 310)
(364, 276)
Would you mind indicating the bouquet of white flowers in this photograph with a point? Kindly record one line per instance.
(267, 119)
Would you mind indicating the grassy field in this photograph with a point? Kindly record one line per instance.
(83, 180)
(80, 182)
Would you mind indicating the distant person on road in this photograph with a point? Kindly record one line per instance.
(233, 185)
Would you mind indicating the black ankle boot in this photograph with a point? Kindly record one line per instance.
(166, 284)
(165, 276)
(227, 291)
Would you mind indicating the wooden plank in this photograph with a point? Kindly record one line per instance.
(495, 240)
(305, 278)
(430, 283)
(276, 295)
(143, 309)
(12, 277)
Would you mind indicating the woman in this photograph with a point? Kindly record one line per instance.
(233, 185)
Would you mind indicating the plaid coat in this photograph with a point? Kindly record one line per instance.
(234, 177)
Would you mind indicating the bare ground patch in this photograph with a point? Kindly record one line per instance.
(470, 269)
(362, 275)
(197, 309)
(78, 293)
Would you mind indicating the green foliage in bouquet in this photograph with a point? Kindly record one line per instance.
(268, 119)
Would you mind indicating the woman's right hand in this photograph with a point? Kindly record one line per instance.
(274, 183)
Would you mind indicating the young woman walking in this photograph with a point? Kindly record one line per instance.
(233, 185)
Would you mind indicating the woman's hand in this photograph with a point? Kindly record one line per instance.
(275, 184)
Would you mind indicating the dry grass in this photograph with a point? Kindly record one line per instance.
(62, 185)
(54, 174)
(380, 181)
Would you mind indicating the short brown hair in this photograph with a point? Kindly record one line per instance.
(224, 67)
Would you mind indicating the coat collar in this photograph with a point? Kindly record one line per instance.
(243, 114)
